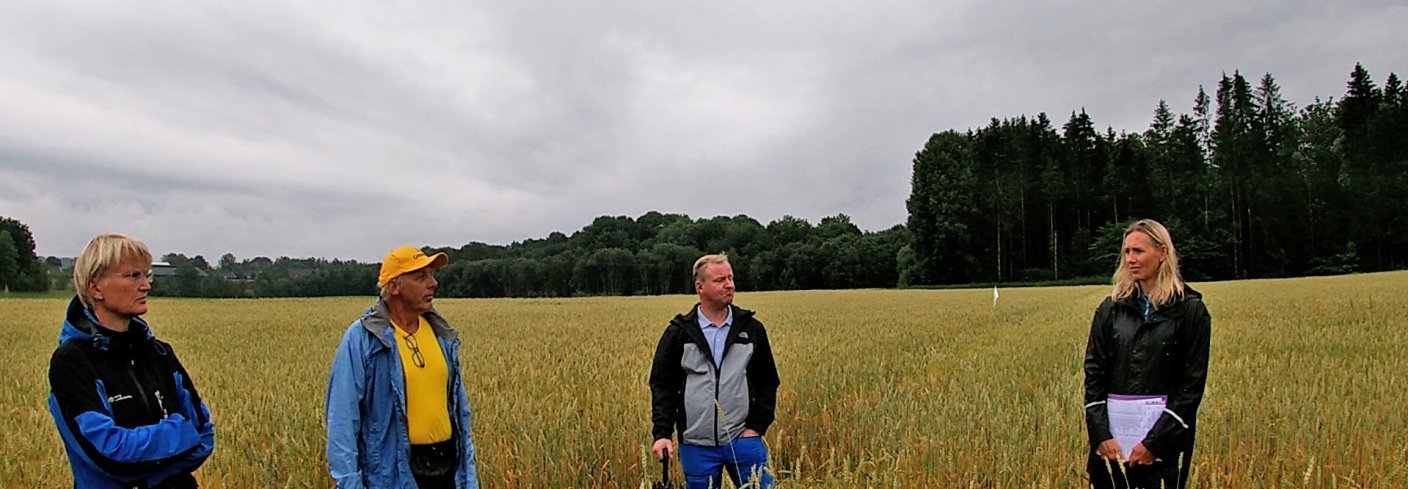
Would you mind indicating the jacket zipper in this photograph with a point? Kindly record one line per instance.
(718, 369)
(454, 403)
(718, 408)
(710, 354)
(132, 374)
(718, 379)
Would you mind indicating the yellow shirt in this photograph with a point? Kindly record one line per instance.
(427, 385)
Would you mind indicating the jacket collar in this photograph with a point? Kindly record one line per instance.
(689, 322)
(377, 321)
(691, 318)
(81, 325)
(1174, 309)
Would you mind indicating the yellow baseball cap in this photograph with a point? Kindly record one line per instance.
(407, 259)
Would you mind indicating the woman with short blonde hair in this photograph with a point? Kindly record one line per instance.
(103, 253)
(1147, 353)
(127, 411)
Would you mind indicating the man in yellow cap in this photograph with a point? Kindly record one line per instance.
(397, 413)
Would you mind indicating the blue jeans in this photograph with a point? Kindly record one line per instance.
(703, 466)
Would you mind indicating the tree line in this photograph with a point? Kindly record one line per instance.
(1249, 185)
(614, 255)
(263, 277)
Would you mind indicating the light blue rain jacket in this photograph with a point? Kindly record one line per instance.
(368, 445)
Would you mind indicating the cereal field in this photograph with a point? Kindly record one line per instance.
(881, 388)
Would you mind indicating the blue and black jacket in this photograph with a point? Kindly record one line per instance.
(126, 409)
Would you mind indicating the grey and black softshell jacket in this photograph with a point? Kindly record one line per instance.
(712, 404)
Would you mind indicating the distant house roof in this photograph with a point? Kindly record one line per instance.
(164, 269)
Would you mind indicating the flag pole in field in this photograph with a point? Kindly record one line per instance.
(994, 304)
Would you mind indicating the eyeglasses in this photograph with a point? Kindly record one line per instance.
(136, 276)
(415, 351)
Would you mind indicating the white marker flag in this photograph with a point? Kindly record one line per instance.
(994, 296)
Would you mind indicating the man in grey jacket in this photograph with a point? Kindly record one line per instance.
(714, 380)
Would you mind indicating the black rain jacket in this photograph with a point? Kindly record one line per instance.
(1165, 355)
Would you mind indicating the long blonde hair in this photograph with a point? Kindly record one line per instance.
(1168, 282)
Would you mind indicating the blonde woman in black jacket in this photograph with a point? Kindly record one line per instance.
(1146, 364)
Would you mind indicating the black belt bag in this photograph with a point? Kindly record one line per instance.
(435, 459)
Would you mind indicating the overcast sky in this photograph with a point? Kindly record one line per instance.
(339, 129)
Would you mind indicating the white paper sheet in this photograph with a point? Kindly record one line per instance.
(1131, 418)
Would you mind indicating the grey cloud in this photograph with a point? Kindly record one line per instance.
(342, 130)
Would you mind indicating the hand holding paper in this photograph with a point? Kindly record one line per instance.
(1131, 418)
(1140, 456)
(1109, 450)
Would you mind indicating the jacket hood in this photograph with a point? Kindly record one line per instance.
(81, 325)
(377, 319)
